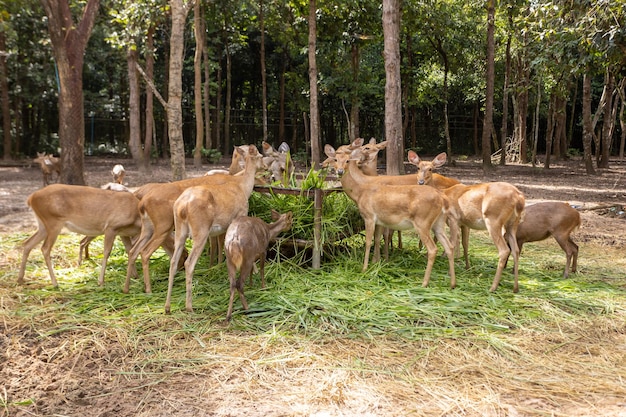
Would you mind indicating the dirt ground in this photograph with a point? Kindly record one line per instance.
(38, 367)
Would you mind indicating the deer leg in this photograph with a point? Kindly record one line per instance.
(377, 236)
(179, 244)
(431, 249)
(495, 231)
(465, 241)
(574, 248)
(261, 268)
(84, 247)
(109, 238)
(48, 243)
(369, 234)
(232, 277)
(32, 241)
(128, 246)
(190, 264)
(448, 248)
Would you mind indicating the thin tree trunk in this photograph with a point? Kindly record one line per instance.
(504, 133)
(314, 107)
(134, 117)
(607, 122)
(206, 95)
(622, 113)
(489, 92)
(198, 21)
(149, 113)
(263, 71)
(587, 125)
(353, 131)
(6, 107)
(393, 88)
(174, 97)
(229, 77)
(281, 87)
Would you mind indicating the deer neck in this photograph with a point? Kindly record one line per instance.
(351, 180)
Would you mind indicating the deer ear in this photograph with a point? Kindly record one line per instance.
(284, 147)
(413, 158)
(440, 159)
(329, 151)
(382, 145)
(358, 142)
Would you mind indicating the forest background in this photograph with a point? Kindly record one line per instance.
(528, 77)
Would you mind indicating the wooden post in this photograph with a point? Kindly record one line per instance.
(317, 229)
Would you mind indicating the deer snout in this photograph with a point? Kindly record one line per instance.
(421, 182)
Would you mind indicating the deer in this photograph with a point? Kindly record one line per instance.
(497, 207)
(494, 206)
(398, 207)
(157, 216)
(246, 241)
(556, 219)
(425, 174)
(85, 210)
(118, 172)
(49, 165)
(205, 211)
(278, 162)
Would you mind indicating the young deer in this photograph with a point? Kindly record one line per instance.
(246, 241)
(398, 207)
(278, 162)
(556, 219)
(497, 207)
(157, 215)
(206, 211)
(85, 210)
(425, 174)
(49, 164)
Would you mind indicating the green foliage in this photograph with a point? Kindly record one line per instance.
(336, 301)
(213, 156)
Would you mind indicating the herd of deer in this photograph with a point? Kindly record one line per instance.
(214, 208)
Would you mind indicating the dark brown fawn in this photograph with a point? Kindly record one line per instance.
(247, 239)
(49, 164)
(555, 219)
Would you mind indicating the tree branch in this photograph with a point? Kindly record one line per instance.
(151, 85)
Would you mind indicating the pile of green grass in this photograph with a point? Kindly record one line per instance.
(336, 301)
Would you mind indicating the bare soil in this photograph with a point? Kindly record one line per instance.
(68, 380)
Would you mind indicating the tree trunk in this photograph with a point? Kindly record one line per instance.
(607, 122)
(197, 86)
(587, 125)
(6, 108)
(504, 133)
(263, 71)
(314, 107)
(393, 89)
(489, 92)
(227, 105)
(69, 41)
(134, 118)
(622, 120)
(208, 140)
(174, 97)
(281, 105)
(353, 131)
(149, 113)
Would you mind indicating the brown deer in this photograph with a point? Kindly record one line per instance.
(556, 219)
(49, 165)
(206, 211)
(246, 242)
(85, 210)
(425, 174)
(398, 207)
(157, 215)
(497, 207)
